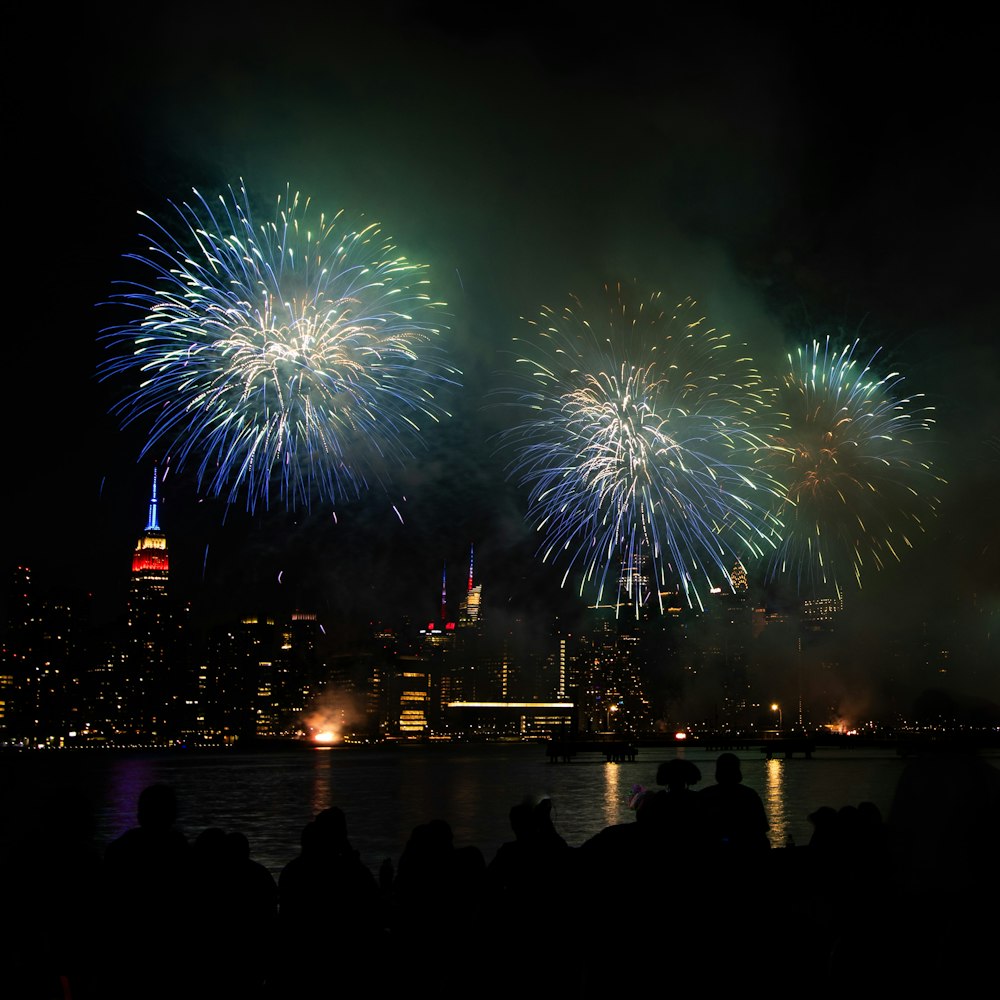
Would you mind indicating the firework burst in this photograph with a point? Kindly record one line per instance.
(295, 358)
(849, 458)
(637, 450)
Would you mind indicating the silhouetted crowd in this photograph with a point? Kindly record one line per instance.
(688, 896)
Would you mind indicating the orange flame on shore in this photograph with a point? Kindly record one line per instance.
(330, 718)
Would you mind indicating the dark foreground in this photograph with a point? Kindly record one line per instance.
(690, 896)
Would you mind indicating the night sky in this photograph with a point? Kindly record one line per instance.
(829, 171)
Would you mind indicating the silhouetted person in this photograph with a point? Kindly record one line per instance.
(824, 836)
(239, 900)
(846, 857)
(437, 897)
(651, 866)
(736, 850)
(147, 879)
(425, 876)
(944, 826)
(676, 815)
(678, 775)
(734, 815)
(253, 891)
(533, 854)
(535, 866)
(620, 852)
(329, 913)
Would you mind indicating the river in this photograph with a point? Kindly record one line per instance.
(385, 791)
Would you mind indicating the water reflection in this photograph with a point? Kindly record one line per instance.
(611, 785)
(322, 792)
(129, 777)
(385, 792)
(774, 802)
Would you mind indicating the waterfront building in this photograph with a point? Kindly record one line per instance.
(611, 695)
(43, 677)
(409, 698)
(470, 605)
(729, 614)
(148, 688)
(18, 660)
(268, 676)
(468, 679)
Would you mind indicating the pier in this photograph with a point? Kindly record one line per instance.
(618, 748)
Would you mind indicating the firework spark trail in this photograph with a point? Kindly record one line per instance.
(848, 456)
(637, 449)
(298, 356)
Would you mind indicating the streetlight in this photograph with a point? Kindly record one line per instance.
(613, 707)
(777, 708)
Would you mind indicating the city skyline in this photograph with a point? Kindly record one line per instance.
(168, 673)
(770, 170)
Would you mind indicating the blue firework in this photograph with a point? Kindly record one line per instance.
(851, 456)
(637, 449)
(292, 359)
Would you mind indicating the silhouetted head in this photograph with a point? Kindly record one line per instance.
(870, 814)
(850, 823)
(727, 769)
(823, 816)
(824, 821)
(677, 774)
(438, 834)
(237, 846)
(333, 823)
(430, 839)
(157, 807)
(520, 819)
(210, 844)
(326, 833)
(542, 814)
(469, 862)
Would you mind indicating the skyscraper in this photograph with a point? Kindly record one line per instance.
(18, 657)
(148, 691)
(150, 571)
(470, 606)
(470, 680)
(42, 684)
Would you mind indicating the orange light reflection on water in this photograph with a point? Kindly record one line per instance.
(774, 802)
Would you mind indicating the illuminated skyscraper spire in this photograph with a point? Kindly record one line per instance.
(150, 562)
(146, 686)
(444, 595)
(153, 523)
(469, 606)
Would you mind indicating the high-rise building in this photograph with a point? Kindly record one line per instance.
(149, 691)
(611, 685)
(730, 618)
(468, 678)
(17, 657)
(269, 676)
(42, 674)
(410, 698)
(150, 570)
(470, 606)
(738, 577)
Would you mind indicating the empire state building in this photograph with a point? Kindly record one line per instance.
(150, 570)
(148, 692)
